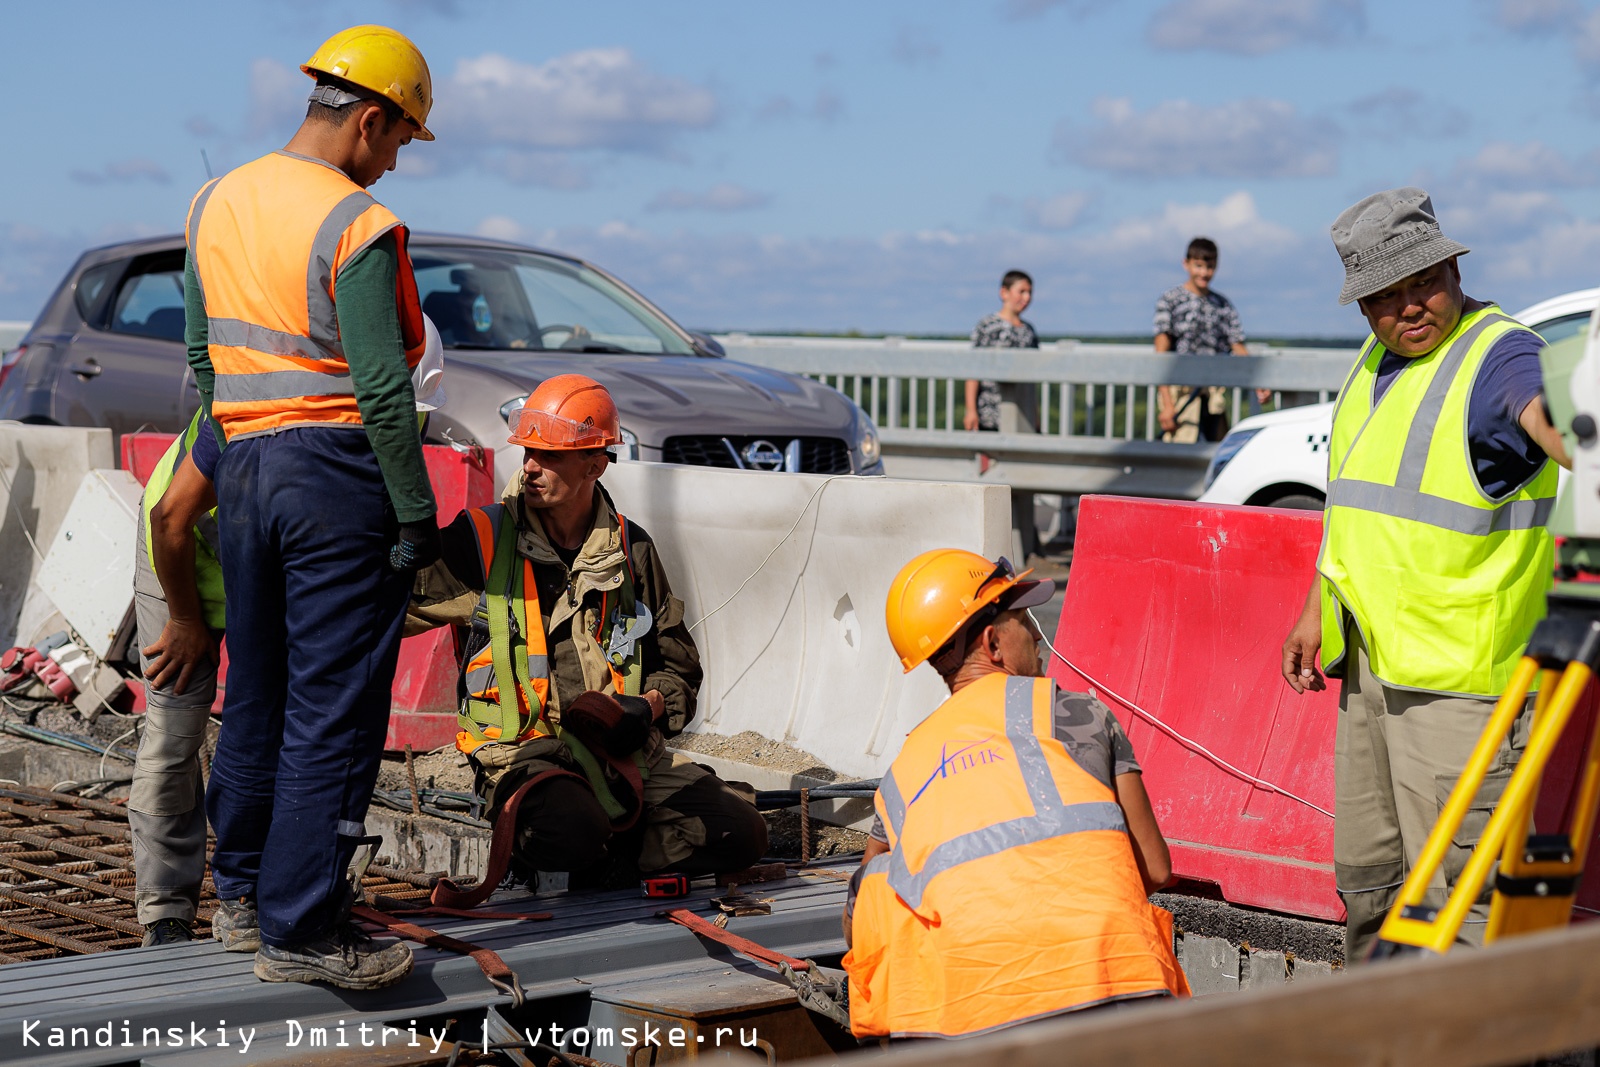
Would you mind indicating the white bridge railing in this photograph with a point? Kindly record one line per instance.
(1077, 418)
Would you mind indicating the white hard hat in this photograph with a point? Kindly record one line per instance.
(427, 380)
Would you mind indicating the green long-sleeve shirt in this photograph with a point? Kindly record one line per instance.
(369, 329)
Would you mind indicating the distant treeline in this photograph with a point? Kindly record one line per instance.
(1090, 339)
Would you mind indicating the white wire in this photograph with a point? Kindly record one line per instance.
(114, 744)
(784, 539)
(1189, 743)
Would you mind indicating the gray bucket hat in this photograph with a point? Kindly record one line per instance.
(1386, 237)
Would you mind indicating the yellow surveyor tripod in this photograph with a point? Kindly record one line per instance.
(1539, 873)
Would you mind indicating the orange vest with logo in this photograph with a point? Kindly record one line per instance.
(1010, 892)
(268, 241)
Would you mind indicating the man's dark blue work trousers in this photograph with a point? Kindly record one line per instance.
(314, 619)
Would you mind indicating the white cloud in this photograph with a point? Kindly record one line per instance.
(1254, 27)
(1532, 165)
(1024, 9)
(1061, 212)
(1402, 114)
(500, 228)
(1089, 281)
(277, 99)
(721, 197)
(1253, 138)
(1586, 43)
(124, 172)
(913, 45)
(600, 98)
(1536, 16)
(827, 106)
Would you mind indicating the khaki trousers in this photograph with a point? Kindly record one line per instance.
(166, 804)
(1397, 756)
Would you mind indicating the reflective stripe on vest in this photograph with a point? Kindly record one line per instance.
(957, 930)
(268, 242)
(510, 603)
(207, 568)
(508, 708)
(1051, 817)
(1444, 582)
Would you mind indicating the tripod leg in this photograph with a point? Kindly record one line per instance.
(1539, 873)
(1411, 925)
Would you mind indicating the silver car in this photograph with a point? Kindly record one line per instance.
(108, 351)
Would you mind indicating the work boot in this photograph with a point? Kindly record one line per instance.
(166, 932)
(346, 958)
(236, 924)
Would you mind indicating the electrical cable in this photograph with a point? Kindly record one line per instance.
(781, 542)
(1186, 742)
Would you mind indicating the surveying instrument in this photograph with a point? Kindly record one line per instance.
(1539, 873)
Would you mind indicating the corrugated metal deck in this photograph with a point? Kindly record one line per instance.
(593, 940)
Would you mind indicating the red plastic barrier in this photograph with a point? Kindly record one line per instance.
(1181, 608)
(423, 713)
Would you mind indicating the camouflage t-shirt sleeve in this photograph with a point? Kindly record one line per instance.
(1093, 737)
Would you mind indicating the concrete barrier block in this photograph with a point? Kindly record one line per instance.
(784, 578)
(1211, 964)
(1263, 968)
(88, 570)
(41, 468)
(1310, 970)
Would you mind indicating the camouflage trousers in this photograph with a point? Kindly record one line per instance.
(693, 822)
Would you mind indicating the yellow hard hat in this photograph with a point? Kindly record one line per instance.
(384, 61)
(936, 595)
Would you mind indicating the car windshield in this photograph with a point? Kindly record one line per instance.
(484, 298)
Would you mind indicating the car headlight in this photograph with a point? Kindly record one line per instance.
(512, 406)
(867, 442)
(629, 448)
(1229, 448)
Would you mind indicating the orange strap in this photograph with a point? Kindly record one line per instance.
(500, 975)
(742, 945)
(446, 894)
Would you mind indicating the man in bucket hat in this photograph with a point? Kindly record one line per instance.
(1435, 558)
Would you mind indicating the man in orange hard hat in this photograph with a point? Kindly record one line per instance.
(579, 666)
(1011, 783)
(303, 326)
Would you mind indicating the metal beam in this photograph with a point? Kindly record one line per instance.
(1509, 1003)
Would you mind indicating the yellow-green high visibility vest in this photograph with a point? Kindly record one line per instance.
(207, 568)
(1445, 582)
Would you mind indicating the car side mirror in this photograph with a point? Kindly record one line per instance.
(707, 345)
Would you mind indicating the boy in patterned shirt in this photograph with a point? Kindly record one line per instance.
(1194, 319)
(1005, 328)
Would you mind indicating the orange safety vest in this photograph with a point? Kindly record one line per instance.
(268, 241)
(1010, 892)
(479, 715)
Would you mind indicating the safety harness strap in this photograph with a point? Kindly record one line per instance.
(494, 968)
(446, 894)
(742, 945)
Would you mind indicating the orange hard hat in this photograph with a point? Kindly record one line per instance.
(935, 596)
(567, 413)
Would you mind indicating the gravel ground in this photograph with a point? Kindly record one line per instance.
(783, 828)
(751, 747)
(447, 768)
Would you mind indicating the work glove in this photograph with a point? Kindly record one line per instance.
(416, 546)
(629, 733)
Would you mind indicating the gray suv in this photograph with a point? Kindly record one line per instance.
(108, 351)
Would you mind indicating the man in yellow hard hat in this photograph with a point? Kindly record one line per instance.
(1010, 866)
(303, 326)
(580, 666)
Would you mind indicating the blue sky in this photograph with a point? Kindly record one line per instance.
(831, 165)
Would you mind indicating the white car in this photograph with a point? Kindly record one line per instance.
(1280, 459)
